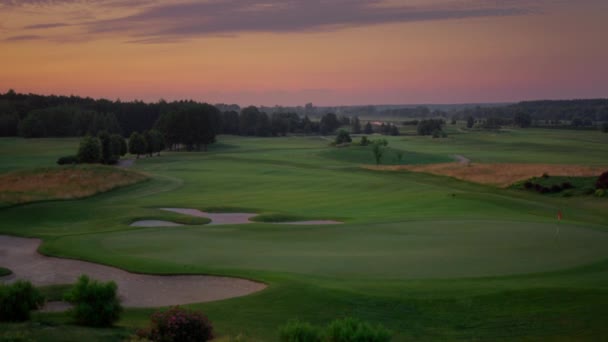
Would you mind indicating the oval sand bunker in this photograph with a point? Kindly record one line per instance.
(136, 290)
(239, 218)
(154, 223)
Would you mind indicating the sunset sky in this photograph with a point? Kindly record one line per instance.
(292, 52)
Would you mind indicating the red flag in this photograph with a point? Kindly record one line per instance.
(559, 215)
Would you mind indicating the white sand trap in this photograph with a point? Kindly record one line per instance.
(216, 219)
(239, 218)
(154, 223)
(312, 222)
(135, 290)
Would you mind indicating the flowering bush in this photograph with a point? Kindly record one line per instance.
(177, 324)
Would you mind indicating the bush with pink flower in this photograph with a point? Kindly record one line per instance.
(178, 324)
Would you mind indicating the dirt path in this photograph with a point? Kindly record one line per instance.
(125, 163)
(136, 290)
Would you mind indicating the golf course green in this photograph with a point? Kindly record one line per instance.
(429, 257)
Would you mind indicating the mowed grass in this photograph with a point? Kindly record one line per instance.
(432, 258)
(70, 182)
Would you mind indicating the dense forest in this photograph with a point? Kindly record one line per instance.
(571, 113)
(31, 115)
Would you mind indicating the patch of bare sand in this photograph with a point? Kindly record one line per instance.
(501, 175)
(135, 290)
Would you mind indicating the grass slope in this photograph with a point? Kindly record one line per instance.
(71, 182)
(431, 258)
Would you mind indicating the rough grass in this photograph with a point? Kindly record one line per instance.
(502, 175)
(63, 183)
(5, 272)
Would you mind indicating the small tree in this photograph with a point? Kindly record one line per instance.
(137, 144)
(602, 181)
(356, 125)
(368, 128)
(17, 300)
(89, 150)
(378, 151)
(118, 145)
(343, 137)
(470, 122)
(106, 147)
(95, 304)
(364, 141)
(399, 154)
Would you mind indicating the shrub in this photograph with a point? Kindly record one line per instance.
(600, 192)
(343, 137)
(177, 324)
(17, 300)
(567, 185)
(297, 331)
(89, 150)
(364, 141)
(95, 304)
(602, 181)
(354, 330)
(67, 160)
(528, 185)
(556, 188)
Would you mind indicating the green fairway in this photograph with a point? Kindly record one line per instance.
(431, 258)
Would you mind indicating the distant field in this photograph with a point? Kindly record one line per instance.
(430, 257)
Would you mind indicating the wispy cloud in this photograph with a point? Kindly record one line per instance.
(188, 19)
(158, 21)
(45, 26)
(23, 38)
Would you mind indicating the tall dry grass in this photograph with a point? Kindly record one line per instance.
(502, 175)
(63, 183)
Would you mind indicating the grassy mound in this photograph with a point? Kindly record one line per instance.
(278, 217)
(364, 155)
(5, 272)
(62, 183)
(174, 217)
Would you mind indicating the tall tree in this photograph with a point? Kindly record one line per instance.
(137, 144)
(356, 125)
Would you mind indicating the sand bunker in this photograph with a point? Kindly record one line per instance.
(239, 218)
(135, 290)
(154, 223)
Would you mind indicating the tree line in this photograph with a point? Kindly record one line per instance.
(559, 113)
